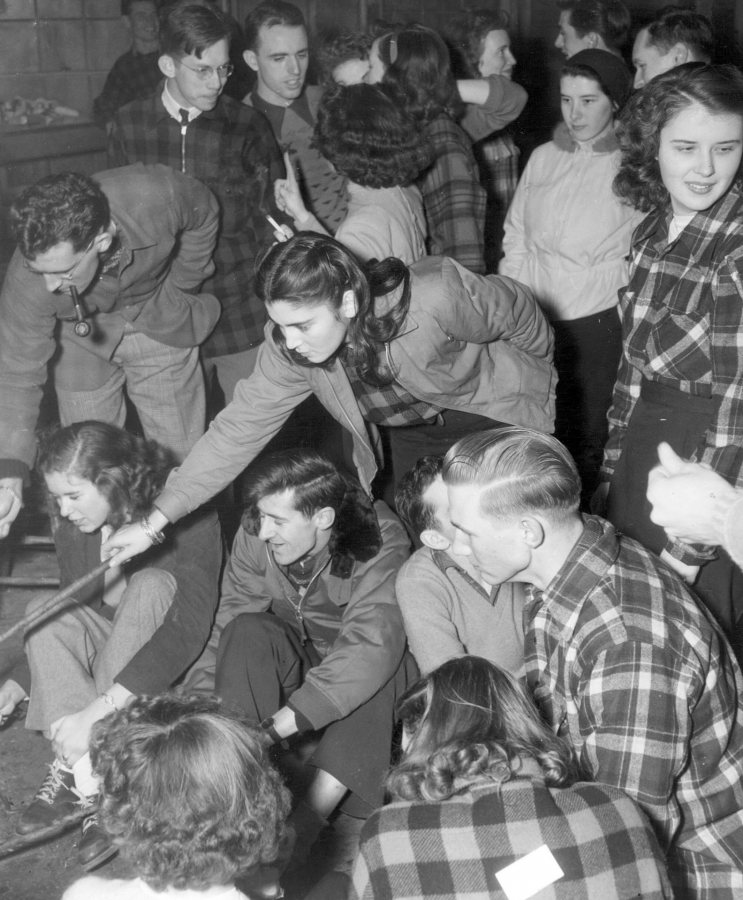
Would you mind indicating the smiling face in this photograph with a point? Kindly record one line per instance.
(144, 25)
(496, 58)
(495, 547)
(313, 331)
(79, 500)
(289, 533)
(186, 85)
(586, 109)
(699, 156)
(280, 61)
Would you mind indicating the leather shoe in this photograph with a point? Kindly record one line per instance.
(95, 846)
(55, 800)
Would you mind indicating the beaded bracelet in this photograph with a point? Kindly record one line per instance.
(156, 537)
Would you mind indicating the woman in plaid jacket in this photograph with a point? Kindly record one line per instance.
(486, 797)
(680, 379)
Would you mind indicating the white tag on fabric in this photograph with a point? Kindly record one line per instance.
(530, 874)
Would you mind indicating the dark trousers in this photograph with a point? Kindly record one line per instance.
(666, 414)
(261, 662)
(587, 353)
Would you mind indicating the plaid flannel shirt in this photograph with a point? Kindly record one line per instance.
(682, 317)
(626, 665)
(133, 76)
(453, 198)
(453, 849)
(233, 151)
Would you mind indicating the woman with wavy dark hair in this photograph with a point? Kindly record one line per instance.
(131, 631)
(188, 795)
(485, 792)
(415, 61)
(680, 378)
(375, 144)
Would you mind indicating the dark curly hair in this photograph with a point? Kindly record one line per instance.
(366, 133)
(340, 47)
(466, 37)
(128, 470)
(719, 89)
(315, 483)
(416, 515)
(469, 720)
(418, 66)
(313, 269)
(187, 791)
(65, 207)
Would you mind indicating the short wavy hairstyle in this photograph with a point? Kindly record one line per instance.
(340, 47)
(677, 25)
(466, 36)
(187, 791)
(128, 470)
(719, 89)
(469, 720)
(191, 28)
(519, 471)
(417, 515)
(366, 133)
(65, 207)
(417, 64)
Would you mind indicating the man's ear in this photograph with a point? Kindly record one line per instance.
(680, 54)
(324, 518)
(166, 64)
(592, 38)
(349, 304)
(251, 59)
(532, 531)
(103, 240)
(434, 540)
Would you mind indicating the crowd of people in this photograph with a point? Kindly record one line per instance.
(480, 633)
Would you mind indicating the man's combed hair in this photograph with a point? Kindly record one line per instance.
(416, 515)
(418, 67)
(65, 207)
(519, 470)
(677, 25)
(470, 721)
(466, 38)
(128, 470)
(316, 483)
(268, 14)
(609, 18)
(188, 28)
(719, 89)
(366, 133)
(313, 269)
(187, 791)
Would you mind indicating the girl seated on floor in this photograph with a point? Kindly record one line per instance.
(188, 795)
(487, 801)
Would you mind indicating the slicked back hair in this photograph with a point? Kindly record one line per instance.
(520, 471)
(417, 515)
(268, 14)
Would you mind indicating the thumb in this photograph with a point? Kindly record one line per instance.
(670, 460)
(291, 176)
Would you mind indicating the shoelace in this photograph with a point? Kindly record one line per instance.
(89, 822)
(53, 784)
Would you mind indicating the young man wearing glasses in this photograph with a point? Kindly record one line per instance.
(192, 126)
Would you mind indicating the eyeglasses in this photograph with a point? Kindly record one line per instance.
(70, 273)
(204, 73)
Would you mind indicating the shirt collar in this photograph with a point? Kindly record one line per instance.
(174, 108)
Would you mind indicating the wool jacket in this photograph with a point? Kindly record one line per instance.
(455, 849)
(626, 665)
(567, 235)
(353, 623)
(232, 149)
(167, 226)
(471, 342)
